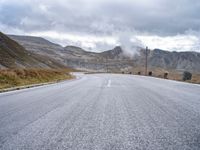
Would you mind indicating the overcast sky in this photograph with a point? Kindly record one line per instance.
(99, 25)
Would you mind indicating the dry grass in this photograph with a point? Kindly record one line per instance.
(195, 79)
(172, 74)
(19, 77)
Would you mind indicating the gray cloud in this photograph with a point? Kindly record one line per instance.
(101, 18)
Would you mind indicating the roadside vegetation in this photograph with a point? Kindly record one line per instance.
(171, 74)
(195, 79)
(20, 77)
(158, 73)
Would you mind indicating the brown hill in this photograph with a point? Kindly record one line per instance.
(13, 55)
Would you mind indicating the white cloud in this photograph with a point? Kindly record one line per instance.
(88, 42)
(172, 43)
(102, 24)
(128, 40)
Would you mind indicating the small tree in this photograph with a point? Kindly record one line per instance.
(165, 75)
(186, 76)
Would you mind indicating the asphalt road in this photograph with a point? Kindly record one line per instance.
(102, 111)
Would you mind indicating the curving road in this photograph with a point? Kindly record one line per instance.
(102, 111)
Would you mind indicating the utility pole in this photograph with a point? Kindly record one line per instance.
(107, 65)
(146, 53)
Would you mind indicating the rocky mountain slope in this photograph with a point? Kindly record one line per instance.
(39, 46)
(179, 61)
(175, 60)
(112, 60)
(13, 55)
(72, 56)
(78, 58)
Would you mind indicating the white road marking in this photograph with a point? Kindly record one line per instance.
(109, 83)
(103, 112)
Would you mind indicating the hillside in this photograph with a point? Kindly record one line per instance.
(179, 61)
(14, 55)
(175, 60)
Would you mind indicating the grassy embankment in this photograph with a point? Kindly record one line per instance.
(20, 77)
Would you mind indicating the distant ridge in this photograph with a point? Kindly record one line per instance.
(113, 60)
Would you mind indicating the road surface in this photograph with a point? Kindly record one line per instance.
(102, 111)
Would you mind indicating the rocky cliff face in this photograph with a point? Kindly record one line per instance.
(112, 60)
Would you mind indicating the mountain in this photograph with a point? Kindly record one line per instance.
(115, 59)
(40, 46)
(13, 55)
(112, 60)
(71, 56)
(116, 53)
(81, 59)
(179, 61)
